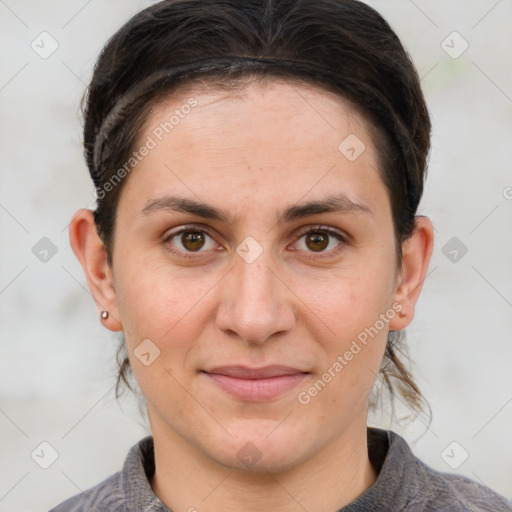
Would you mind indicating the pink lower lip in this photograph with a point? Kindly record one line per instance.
(257, 390)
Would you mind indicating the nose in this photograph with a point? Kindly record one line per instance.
(255, 303)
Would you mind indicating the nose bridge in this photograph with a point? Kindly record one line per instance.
(254, 281)
(254, 304)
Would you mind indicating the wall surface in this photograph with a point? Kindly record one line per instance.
(57, 368)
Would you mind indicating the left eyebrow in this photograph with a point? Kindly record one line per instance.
(340, 203)
(332, 204)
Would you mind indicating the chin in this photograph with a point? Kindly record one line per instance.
(252, 460)
(261, 452)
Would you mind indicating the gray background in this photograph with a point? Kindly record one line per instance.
(57, 367)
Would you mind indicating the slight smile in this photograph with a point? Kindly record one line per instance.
(256, 384)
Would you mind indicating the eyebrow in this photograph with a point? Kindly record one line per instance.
(340, 203)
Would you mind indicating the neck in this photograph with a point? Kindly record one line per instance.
(187, 480)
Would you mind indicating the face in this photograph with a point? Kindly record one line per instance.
(254, 259)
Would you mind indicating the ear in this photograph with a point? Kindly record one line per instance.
(90, 251)
(416, 253)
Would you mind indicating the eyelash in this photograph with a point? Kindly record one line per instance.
(306, 231)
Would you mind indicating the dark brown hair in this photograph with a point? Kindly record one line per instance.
(342, 46)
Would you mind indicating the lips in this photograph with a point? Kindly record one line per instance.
(242, 372)
(255, 384)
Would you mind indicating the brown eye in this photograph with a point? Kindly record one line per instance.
(187, 241)
(320, 240)
(193, 240)
(317, 241)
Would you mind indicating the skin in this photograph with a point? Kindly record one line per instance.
(254, 154)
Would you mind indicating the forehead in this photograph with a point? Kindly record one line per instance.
(270, 113)
(255, 142)
(264, 96)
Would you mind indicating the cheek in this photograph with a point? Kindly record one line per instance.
(169, 312)
(155, 299)
(349, 300)
(351, 310)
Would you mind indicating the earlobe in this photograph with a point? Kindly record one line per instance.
(416, 254)
(90, 251)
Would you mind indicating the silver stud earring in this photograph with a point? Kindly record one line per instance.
(104, 315)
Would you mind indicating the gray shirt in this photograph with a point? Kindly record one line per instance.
(404, 483)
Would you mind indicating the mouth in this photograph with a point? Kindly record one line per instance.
(256, 384)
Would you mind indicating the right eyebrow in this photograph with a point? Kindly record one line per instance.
(180, 204)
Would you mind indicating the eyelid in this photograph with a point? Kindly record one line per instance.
(329, 230)
(169, 234)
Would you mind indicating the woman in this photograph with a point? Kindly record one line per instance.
(258, 168)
